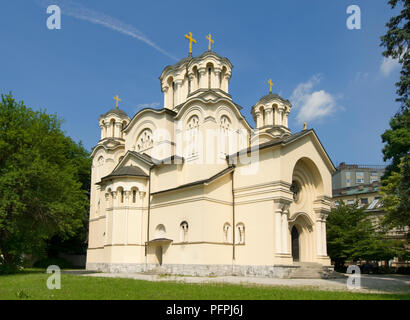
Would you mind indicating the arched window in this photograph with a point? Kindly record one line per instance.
(121, 194)
(184, 231)
(227, 233)
(262, 112)
(134, 196)
(195, 85)
(173, 94)
(192, 131)
(170, 92)
(112, 124)
(123, 125)
(240, 233)
(145, 140)
(225, 127)
(209, 70)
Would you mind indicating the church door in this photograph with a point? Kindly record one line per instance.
(158, 253)
(295, 244)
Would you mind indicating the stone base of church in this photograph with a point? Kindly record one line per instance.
(202, 270)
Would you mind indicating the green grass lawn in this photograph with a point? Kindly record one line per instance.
(32, 285)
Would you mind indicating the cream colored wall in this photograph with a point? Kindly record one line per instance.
(259, 225)
(161, 125)
(206, 209)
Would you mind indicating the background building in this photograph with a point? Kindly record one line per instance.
(350, 175)
(353, 183)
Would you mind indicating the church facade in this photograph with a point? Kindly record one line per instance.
(193, 188)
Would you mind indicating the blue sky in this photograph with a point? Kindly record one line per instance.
(335, 77)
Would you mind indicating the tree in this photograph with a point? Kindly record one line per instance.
(41, 185)
(352, 235)
(397, 139)
(396, 41)
(396, 195)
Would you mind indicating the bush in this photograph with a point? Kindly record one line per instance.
(46, 262)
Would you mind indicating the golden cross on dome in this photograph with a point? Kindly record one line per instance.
(210, 41)
(189, 37)
(118, 99)
(271, 85)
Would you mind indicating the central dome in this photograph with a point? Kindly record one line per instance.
(191, 74)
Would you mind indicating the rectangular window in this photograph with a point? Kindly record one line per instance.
(364, 201)
(350, 201)
(359, 177)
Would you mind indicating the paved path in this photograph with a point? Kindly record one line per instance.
(369, 283)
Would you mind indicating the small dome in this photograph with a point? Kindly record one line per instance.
(273, 96)
(116, 111)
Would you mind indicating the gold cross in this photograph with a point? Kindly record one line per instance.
(189, 37)
(118, 99)
(210, 41)
(271, 85)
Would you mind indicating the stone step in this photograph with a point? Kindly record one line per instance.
(308, 264)
(314, 271)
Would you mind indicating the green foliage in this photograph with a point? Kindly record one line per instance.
(397, 139)
(396, 195)
(397, 44)
(352, 235)
(43, 177)
(46, 262)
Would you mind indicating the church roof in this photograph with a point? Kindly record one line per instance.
(281, 141)
(127, 171)
(116, 111)
(199, 182)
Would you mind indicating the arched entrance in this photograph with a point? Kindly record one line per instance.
(302, 241)
(295, 244)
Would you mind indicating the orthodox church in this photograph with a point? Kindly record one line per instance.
(193, 189)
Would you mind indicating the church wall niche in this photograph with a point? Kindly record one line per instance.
(227, 232)
(183, 231)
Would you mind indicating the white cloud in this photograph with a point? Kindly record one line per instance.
(388, 66)
(314, 105)
(78, 11)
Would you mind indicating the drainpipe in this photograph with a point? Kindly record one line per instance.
(149, 212)
(233, 219)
